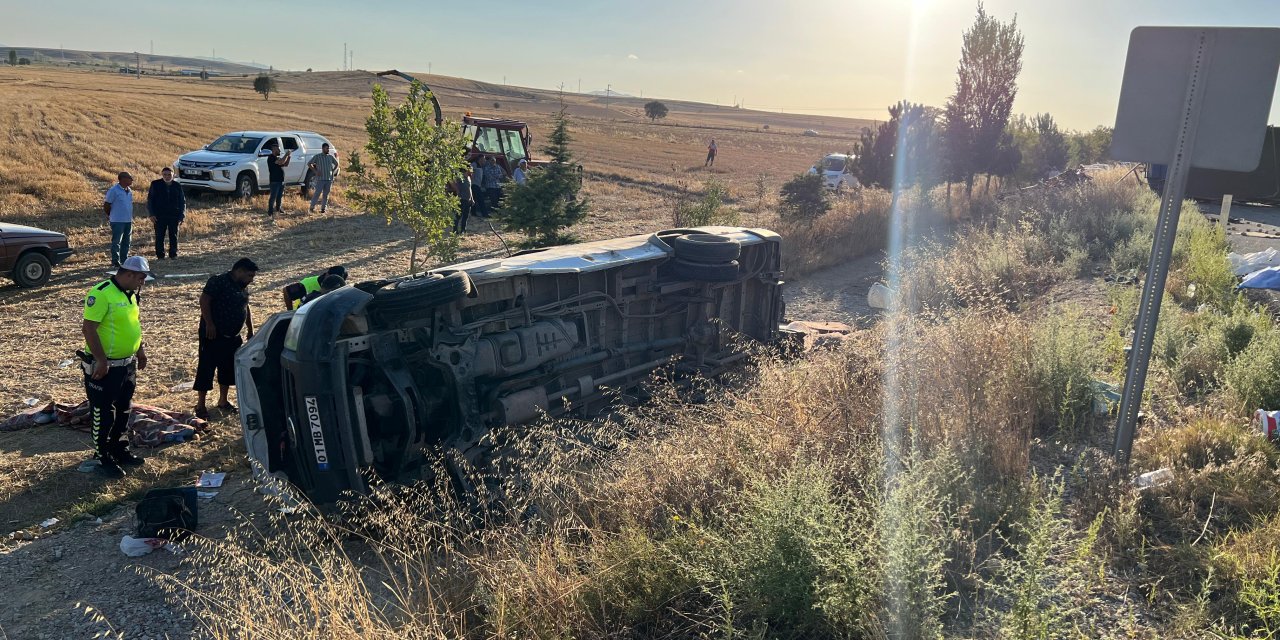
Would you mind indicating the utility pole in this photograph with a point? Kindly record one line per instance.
(137, 64)
(579, 85)
(428, 68)
(608, 88)
(351, 60)
(344, 56)
(153, 47)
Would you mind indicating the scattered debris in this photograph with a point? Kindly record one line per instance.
(210, 479)
(48, 523)
(206, 495)
(89, 466)
(1248, 263)
(1155, 478)
(1260, 234)
(818, 334)
(1268, 423)
(185, 386)
(1268, 278)
(65, 363)
(149, 426)
(1106, 396)
(1128, 277)
(31, 402)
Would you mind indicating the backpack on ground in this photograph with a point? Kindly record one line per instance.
(167, 513)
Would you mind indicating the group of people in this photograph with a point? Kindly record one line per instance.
(166, 207)
(479, 189)
(114, 350)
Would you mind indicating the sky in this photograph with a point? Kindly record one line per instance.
(839, 57)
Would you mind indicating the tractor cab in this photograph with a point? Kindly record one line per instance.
(506, 141)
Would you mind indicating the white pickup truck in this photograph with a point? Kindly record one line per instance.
(236, 162)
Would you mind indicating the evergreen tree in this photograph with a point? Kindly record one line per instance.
(549, 200)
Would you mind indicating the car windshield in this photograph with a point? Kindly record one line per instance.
(234, 144)
(833, 164)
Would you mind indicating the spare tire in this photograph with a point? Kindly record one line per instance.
(706, 248)
(430, 290)
(703, 272)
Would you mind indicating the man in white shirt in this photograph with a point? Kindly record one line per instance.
(324, 167)
(521, 172)
(118, 207)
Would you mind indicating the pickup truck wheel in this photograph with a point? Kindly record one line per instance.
(308, 184)
(246, 186)
(32, 270)
(706, 248)
(420, 293)
(703, 272)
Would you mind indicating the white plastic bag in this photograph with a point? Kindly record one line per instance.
(135, 547)
(879, 295)
(1247, 263)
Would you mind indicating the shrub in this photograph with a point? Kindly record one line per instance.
(1253, 377)
(706, 209)
(1063, 359)
(854, 227)
(804, 197)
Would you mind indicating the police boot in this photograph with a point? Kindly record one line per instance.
(120, 452)
(108, 467)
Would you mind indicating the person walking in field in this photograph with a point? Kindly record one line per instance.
(224, 311)
(711, 154)
(275, 171)
(324, 167)
(113, 354)
(167, 208)
(118, 207)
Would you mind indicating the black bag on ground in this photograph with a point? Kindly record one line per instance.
(168, 513)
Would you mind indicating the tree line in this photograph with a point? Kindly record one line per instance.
(975, 133)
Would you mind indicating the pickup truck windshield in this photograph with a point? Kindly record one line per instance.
(235, 144)
(833, 164)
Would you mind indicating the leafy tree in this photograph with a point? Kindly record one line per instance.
(689, 209)
(655, 110)
(986, 84)
(1051, 153)
(24, 61)
(414, 163)
(805, 196)
(1090, 147)
(13, 57)
(910, 134)
(548, 201)
(264, 84)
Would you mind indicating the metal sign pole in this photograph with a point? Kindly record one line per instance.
(1175, 186)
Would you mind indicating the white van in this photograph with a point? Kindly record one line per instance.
(236, 162)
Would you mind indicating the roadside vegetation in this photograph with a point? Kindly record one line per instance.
(869, 490)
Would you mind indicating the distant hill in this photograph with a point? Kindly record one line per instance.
(611, 94)
(116, 59)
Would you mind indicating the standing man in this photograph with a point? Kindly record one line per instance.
(478, 204)
(493, 177)
(522, 172)
(118, 207)
(711, 154)
(324, 167)
(465, 201)
(224, 310)
(112, 355)
(275, 172)
(167, 207)
(296, 292)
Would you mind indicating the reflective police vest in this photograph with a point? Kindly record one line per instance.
(116, 312)
(309, 284)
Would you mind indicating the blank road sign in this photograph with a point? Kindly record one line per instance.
(1238, 66)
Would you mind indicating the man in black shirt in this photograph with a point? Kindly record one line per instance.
(275, 171)
(224, 310)
(167, 207)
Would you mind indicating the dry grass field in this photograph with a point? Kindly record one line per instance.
(67, 134)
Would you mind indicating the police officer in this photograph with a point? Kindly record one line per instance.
(112, 355)
(294, 293)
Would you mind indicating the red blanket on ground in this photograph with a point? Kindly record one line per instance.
(149, 426)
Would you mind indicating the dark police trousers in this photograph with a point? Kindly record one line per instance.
(110, 403)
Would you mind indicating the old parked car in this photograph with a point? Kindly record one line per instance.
(367, 377)
(27, 254)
